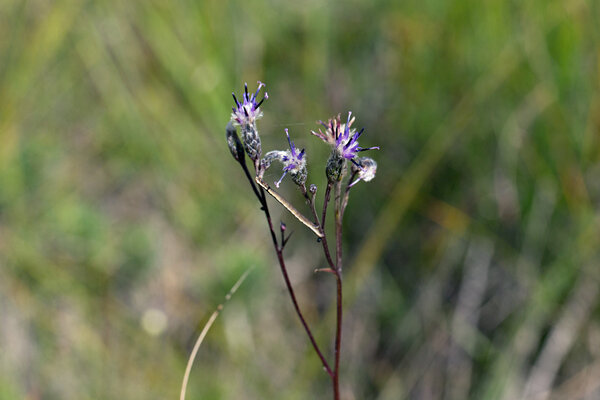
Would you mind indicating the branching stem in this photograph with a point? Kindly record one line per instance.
(259, 187)
(260, 194)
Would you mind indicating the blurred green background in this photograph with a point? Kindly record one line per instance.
(471, 260)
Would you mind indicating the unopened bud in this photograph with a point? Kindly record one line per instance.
(234, 143)
(312, 189)
(335, 167)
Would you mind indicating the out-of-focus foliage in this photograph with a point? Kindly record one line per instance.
(472, 258)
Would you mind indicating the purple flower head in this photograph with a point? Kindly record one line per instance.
(293, 161)
(248, 110)
(347, 142)
(342, 137)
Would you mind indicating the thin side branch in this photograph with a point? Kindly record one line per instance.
(323, 216)
(290, 208)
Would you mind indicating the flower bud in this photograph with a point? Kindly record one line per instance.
(312, 189)
(234, 143)
(335, 168)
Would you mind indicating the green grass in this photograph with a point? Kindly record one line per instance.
(118, 195)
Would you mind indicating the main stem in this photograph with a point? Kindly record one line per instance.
(335, 268)
(338, 279)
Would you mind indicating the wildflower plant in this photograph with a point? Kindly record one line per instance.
(343, 141)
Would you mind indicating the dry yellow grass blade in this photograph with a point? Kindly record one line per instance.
(205, 330)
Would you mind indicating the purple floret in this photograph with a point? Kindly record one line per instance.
(341, 137)
(248, 111)
(348, 146)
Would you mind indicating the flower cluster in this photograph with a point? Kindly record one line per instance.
(342, 138)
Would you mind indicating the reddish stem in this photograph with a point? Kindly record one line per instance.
(260, 194)
(338, 276)
(286, 278)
